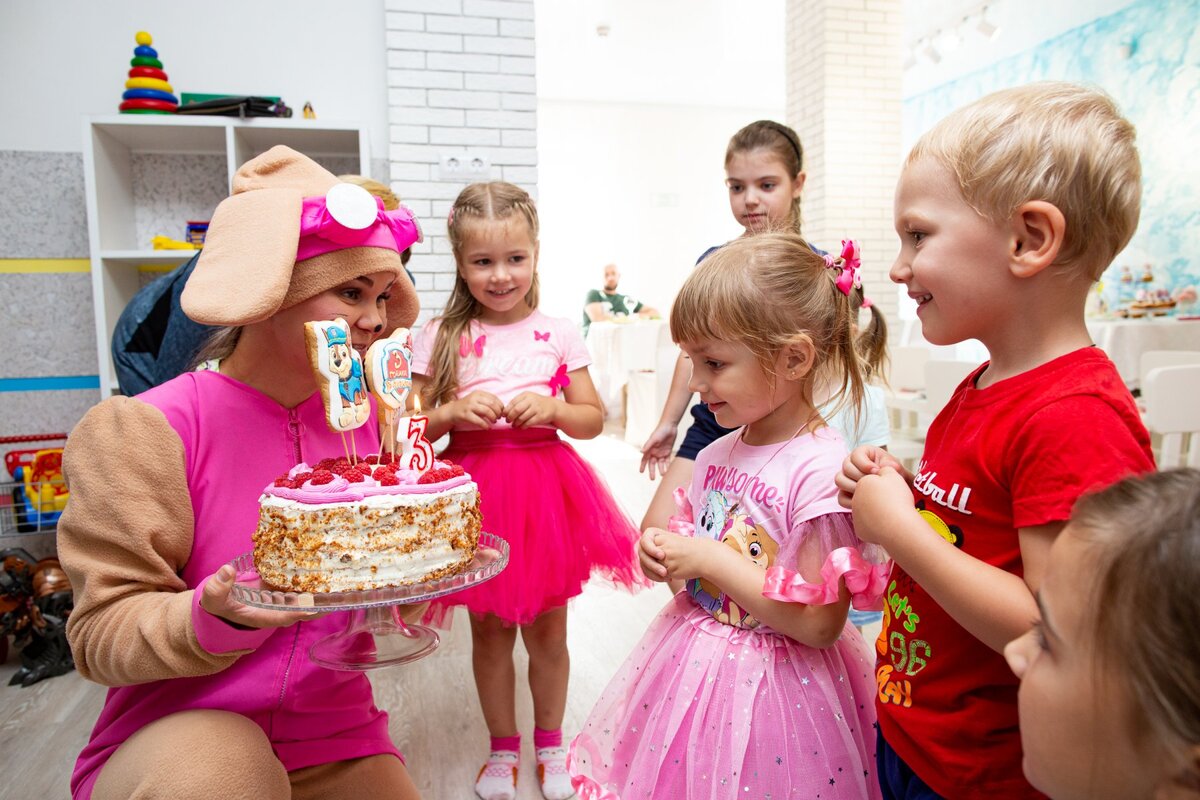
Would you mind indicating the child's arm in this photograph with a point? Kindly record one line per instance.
(993, 605)
(656, 452)
(581, 416)
(741, 579)
(479, 409)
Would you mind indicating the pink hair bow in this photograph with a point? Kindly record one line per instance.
(465, 345)
(847, 264)
(559, 381)
(349, 216)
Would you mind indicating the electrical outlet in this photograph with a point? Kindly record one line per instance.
(465, 166)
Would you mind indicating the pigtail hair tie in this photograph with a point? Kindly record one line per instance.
(847, 274)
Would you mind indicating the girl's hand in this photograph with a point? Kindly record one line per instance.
(528, 409)
(656, 452)
(862, 461)
(686, 557)
(650, 555)
(877, 502)
(480, 409)
(215, 599)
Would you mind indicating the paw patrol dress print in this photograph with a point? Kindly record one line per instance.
(339, 373)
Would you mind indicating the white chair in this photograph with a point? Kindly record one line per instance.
(906, 380)
(941, 379)
(1153, 359)
(1172, 412)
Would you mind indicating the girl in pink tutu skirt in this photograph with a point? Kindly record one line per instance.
(503, 379)
(751, 683)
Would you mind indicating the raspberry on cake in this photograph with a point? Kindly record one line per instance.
(337, 527)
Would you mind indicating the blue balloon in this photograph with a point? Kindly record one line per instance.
(149, 94)
(145, 50)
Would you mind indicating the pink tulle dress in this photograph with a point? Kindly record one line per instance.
(558, 516)
(712, 703)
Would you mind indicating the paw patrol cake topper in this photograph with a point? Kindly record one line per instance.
(339, 374)
(388, 370)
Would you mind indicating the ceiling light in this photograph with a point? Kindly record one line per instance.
(931, 52)
(985, 28)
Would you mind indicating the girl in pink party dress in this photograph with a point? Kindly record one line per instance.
(503, 379)
(751, 683)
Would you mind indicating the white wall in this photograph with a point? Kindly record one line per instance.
(639, 185)
(65, 59)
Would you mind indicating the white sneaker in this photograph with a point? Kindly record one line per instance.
(552, 773)
(498, 777)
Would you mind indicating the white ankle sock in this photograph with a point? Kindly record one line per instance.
(552, 773)
(498, 777)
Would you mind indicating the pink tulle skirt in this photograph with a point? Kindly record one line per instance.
(707, 711)
(557, 515)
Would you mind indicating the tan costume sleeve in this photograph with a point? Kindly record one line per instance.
(123, 538)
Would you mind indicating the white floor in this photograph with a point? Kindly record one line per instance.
(435, 717)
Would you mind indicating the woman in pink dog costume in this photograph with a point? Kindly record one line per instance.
(208, 697)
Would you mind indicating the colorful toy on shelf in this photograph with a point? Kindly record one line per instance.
(167, 243)
(308, 111)
(146, 89)
(196, 231)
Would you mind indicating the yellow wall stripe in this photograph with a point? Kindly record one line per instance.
(35, 265)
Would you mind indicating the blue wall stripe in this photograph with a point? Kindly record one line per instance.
(51, 383)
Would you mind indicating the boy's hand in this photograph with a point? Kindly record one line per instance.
(877, 502)
(480, 409)
(528, 409)
(650, 556)
(686, 557)
(865, 460)
(216, 598)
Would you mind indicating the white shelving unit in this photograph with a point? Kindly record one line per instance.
(110, 144)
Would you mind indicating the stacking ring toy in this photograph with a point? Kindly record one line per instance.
(148, 83)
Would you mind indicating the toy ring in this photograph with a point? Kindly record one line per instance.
(147, 105)
(147, 72)
(149, 83)
(143, 61)
(149, 94)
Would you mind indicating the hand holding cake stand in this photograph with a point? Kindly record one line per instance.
(376, 634)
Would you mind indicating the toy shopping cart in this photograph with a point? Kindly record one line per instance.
(35, 493)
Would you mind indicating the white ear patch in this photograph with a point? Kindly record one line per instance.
(351, 206)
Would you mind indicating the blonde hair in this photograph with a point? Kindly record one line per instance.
(782, 142)
(768, 291)
(871, 340)
(1054, 141)
(1146, 534)
(476, 204)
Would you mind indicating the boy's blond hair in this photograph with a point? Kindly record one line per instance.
(1059, 142)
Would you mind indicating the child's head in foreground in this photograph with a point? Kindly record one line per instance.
(761, 295)
(1059, 142)
(1110, 677)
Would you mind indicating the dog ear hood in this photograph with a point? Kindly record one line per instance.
(248, 271)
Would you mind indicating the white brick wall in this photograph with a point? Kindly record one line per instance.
(460, 78)
(843, 98)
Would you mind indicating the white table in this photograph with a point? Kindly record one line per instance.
(619, 349)
(1124, 340)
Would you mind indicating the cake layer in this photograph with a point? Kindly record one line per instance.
(339, 536)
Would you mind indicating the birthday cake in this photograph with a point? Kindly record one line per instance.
(338, 527)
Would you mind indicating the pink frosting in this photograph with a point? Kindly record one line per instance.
(340, 490)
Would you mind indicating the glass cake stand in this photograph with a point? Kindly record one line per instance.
(375, 634)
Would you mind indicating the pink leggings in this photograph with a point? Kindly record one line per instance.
(208, 753)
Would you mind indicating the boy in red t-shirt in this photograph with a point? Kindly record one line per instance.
(1008, 211)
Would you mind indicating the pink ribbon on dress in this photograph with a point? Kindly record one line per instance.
(560, 380)
(585, 787)
(848, 265)
(465, 346)
(320, 233)
(865, 580)
(682, 522)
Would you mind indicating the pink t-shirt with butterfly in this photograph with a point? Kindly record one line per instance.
(533, 355)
